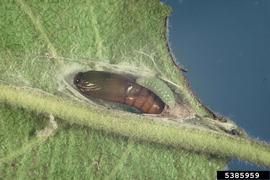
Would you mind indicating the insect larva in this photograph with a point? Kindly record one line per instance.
(117, 88)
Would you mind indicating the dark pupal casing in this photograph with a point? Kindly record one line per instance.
(118, 88)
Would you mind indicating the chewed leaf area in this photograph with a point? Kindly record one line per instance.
(117, 88)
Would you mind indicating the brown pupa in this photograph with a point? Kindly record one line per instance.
(118, 88)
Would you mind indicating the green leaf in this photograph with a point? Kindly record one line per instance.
(49, 131)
